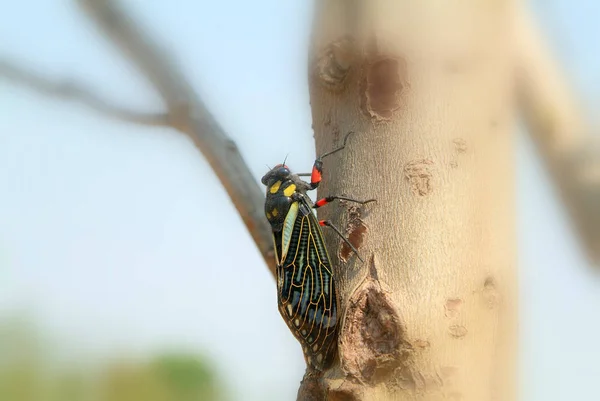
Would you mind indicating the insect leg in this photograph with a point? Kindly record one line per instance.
(329, 199)
(338, 149)
(315, 175)
(327, 223)
(317, 170)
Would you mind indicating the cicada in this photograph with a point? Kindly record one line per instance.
(306, 288)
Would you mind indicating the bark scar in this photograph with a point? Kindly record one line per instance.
(347, 391)
(458, 331)
(452, 307)
(490, 293)
(382, 85)
(355, 232)
(372, 338)
(418, 173)
(311, 387)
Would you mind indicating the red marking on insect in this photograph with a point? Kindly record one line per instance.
(280, 165)
(321, 202)
(322, 223)
(315, 176)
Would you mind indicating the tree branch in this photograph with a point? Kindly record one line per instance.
(569, 150)
(70, 90)
(186, 112)
(189, 115)
(156, 65)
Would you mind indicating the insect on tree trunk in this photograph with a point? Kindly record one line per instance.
(427, 88)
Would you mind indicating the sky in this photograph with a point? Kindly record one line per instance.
(119, 239)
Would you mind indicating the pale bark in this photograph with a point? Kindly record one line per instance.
(431, 314)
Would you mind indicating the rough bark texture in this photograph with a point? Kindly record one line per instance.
(427, 88)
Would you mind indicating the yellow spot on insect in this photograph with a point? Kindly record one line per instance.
(315, 347)
(289, 190)
(297, 322)
(320, 358)
(275, 187)
(274, 212)
(304, 333)
(289, 309)
(269, 216)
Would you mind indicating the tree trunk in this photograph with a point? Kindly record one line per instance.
(426, 87)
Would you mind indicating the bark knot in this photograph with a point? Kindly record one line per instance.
(334, 63)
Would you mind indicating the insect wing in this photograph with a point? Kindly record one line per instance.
(306, 291)
(288, 229)
(282, 239)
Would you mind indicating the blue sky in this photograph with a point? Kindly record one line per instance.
(118, 238)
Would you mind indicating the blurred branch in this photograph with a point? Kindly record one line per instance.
(569, 149)
(188, 114)
(153, 62)
(74, 91)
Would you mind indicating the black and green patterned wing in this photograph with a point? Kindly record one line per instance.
(306, 291)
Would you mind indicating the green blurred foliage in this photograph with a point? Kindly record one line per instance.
(171, 377)
(188, 377)
(27, 373)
